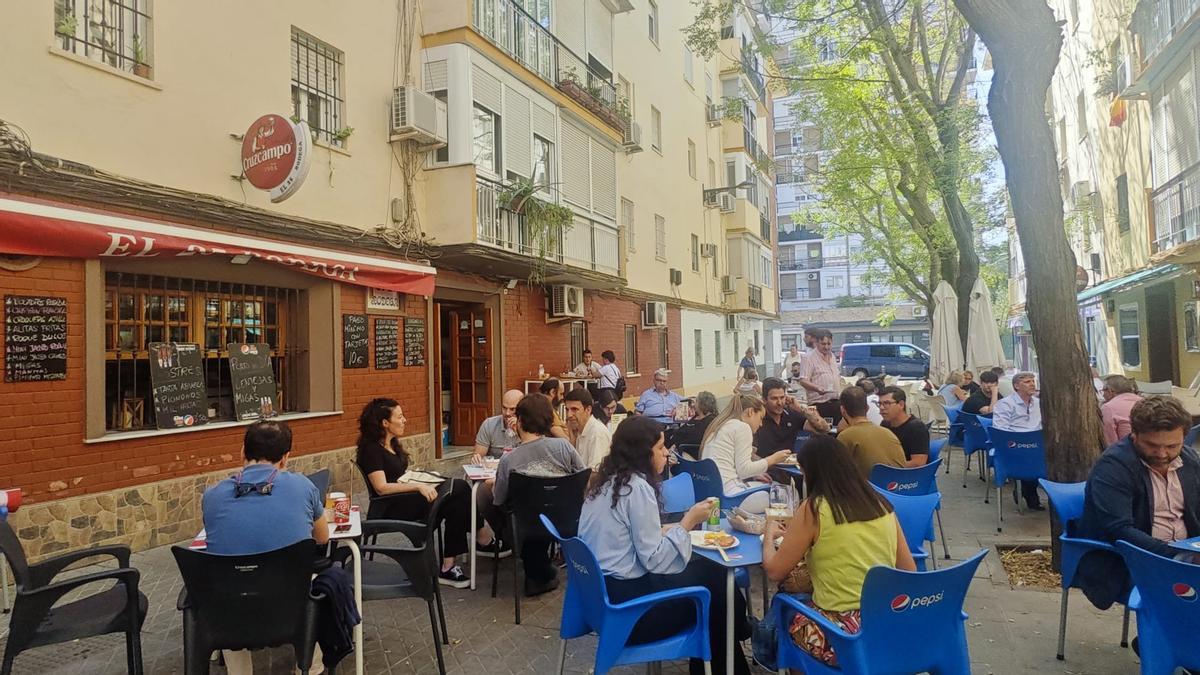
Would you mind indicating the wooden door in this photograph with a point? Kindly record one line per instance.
(470, 372)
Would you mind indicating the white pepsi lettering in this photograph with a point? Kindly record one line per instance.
(927, 600)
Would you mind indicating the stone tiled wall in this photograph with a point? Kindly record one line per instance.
(166, 512)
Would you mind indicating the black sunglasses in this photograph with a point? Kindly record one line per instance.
(241, 489)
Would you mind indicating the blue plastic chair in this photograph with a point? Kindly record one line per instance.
(586, 609)
(921, 480)
(896, 605)
(678, 495)
(975, 439)
(915, 513)
(936, 446)
(1067, 501)
(1193, 435)
(1019, 455)
(1167, 611)
(706, 480)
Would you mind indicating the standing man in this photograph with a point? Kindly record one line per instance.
(587, 367)
(592, 439)
(1144, 489)
(869, 444)
(1021, 411)
(910, 431)
(784, 419)
(610, 374)
(658, 403)
(1120, 396)
(552, 389)
(983, 401)
(820, 378)
(499, 433)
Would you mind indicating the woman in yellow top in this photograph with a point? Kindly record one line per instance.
(842, 530)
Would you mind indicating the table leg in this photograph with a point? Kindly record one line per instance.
(4, 581)
(729, 590)
(358, 635)
(474, 534)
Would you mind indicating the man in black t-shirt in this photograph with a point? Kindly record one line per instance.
(912, 432)
(982, 401)
(784, 420)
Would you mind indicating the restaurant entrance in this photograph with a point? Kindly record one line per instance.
(464, 374)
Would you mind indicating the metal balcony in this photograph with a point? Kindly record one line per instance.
(1157, 22)
(1176, 208)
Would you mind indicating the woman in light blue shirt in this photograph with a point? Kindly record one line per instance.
(621, 523)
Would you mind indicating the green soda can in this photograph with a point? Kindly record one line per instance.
(714, 515)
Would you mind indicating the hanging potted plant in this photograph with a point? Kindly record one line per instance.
(140, 67)
(544, 221)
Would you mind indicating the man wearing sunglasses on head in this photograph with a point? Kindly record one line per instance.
(261, 508)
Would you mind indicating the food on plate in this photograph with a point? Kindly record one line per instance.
(720, 539)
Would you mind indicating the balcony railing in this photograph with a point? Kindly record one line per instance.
(756, 296)
(1156, 22)
(764, 227)
(798, 294)
(513, 30)
(802, 264)
(1177, 210)
(591, 245)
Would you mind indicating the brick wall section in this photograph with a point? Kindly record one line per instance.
(530, 340)
(42, 423)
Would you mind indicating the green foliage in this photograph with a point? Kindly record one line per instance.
(546, 221)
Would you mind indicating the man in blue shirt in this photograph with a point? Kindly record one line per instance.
(658, 403)
(263, 508)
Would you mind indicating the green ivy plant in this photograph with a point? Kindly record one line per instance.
(546, 221)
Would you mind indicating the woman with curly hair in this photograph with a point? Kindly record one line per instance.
(621, 523)
(383, 461)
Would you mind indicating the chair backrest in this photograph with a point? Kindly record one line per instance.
(914, 512)
(1169, 590)
(896, 603)
(321, 480)
(678, 495)
(561, 498)
(1019, 454)
(952, 412)
(1066, 499)
(706, 478)
(974, 435)
(1192, 435)
(691, 450)
(366, 481)
(1164, 387)
(935, 449)
(586, 598)
(920, 480)
(244, 601)
(11, 547)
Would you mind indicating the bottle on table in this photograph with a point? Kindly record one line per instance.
(714, 516)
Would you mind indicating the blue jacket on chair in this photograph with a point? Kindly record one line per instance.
(1119, 504)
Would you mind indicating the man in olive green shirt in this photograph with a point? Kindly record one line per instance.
(869, 443)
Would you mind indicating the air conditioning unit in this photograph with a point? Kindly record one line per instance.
(710, 199)
(727, 285)
(676, 277)
(708, 250)
(731, 323)
(633, 137)
(813, 276)
(566, 301)
(714, 115)
(920, 312)
(418, 116)
(654, 314)
(727, 202)
(1080, 191)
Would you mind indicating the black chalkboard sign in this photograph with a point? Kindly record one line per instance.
(414, 342)
(35, 338)
(354, 341)
(254, 392)
(177, 385)
(387, 344)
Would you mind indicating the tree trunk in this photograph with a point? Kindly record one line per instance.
(1024, 39)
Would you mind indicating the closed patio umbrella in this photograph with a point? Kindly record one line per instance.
(983, 336)
(947, 353)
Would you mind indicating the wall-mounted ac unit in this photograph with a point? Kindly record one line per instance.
(708, 250)
(417, 116)
(566, 301)
(920, 312)
(711, 199)
(727, 202)
(813, 276)
(676, 277)
(1081, 191)
(654, 314)
(714, 115)
(727, 284)
(633, 137)
(731, 322)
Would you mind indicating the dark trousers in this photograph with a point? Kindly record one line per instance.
(455, 513)
(1029, 490)
(676, 616)
(535, 551)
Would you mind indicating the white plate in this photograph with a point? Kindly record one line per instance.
(698, 541)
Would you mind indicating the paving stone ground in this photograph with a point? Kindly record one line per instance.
(1010, 630)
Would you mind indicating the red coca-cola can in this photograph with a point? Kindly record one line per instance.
(341, 507)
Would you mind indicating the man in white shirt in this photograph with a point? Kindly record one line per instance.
(1021, 411)
(592, 438)
(587, 367)
(610, 373)
(820, 377)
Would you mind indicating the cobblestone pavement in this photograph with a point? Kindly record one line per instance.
(1010, 630)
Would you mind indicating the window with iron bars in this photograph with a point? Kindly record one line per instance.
(317, 82)
(113, 32)
(140, 309)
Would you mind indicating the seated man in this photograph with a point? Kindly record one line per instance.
(1120, 395)
(552, 389)
(499, 432)
(793, 379)
(983, 401)
(607, 404)
(784, 420)
(587, 367)
(869, 444)
(910, 431)
(262, 508)
(1144, 489)
(659, 402)
(691, 432)
(1021, 411)
(592, 439)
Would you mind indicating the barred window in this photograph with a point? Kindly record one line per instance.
(114, 32)
(140, 309)
(317, 84)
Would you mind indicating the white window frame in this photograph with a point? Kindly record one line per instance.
(656, 129)
(1121, 336)
(698, 347)
(689, 68)
(550, 168)
(628, 222)
(660, 238)
(692, 158)
(497, 165)
(652, 21)
(695, 253)
(717, 348)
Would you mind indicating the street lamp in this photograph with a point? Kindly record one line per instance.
(711, 193)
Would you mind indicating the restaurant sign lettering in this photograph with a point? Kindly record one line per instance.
(276, 153)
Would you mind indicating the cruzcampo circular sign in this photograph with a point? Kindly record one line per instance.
(275, 155)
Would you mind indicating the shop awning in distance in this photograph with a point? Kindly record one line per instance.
(40, 228)
(1131, 279)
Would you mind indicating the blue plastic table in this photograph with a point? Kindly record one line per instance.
(747, 553)
(1190, 545)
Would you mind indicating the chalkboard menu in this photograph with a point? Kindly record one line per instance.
(177, 385)
(414, 342)
(354, 341)
(254, 393)
(35, 338)
(387, 344)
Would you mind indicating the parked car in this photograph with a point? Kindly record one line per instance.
(900, 359)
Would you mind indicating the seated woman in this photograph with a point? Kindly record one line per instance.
(691, 432)
(620, 522)
(607, 404)
(729, 442)
(748, 383)
(842, 529)
(383, 461)
(952, 391)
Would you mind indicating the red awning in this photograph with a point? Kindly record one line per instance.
(40, 228)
